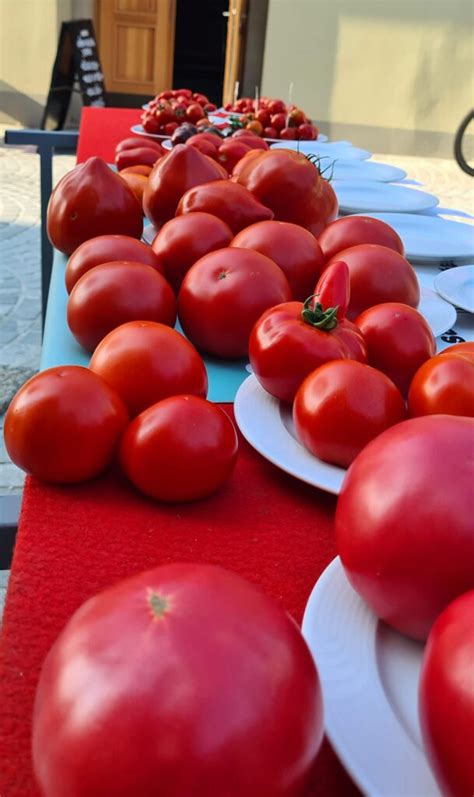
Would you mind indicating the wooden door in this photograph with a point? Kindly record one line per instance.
(136, 44)
(234, 53)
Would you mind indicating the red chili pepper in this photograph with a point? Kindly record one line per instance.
(331, 296)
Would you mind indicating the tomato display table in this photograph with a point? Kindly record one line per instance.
(74, 541)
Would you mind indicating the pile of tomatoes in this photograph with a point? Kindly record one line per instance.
(274, 119)
(249, 257)
(168, 110)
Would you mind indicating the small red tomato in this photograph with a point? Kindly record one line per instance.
(443, 385)
(255, 126)
(378, 275)
(105, 249)
(263, 116)
(270, 132)
(194, 112)
(342, 406)
(446, 698)
(169, 128)
(291, 247)
(210, 108)
(224, 294)
(150, 124)
(278, 121)
(203, 145)
(288, 133)
(185, 239)
(277, 106)
(296, 118)
(353, 230)
(307, 132)
(114, 293)
(162, 361)
(181, 449)
(64, 424)
(398, 338)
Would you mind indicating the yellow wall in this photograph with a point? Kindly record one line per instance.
(397, 73)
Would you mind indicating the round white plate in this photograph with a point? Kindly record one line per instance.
(359, 196)
(267, 425)
(440, 314)
(457, 286)
(430, 239)
(333, 150)
(366, 170)
(139, 130)
(369, 678)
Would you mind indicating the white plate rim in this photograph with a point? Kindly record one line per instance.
(428, 294)
(447, 292)
(301, 464)
(396, 174)
(430, 200)
(365, 690)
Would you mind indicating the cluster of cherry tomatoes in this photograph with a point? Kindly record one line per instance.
(274, 119)
(172, 107)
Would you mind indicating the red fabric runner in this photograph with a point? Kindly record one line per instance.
(73, 542)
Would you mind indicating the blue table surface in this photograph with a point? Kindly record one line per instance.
(61, 348)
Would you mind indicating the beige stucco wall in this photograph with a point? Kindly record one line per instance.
(395, 75)
(29, 31)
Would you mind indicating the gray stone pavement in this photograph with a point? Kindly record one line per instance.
(20, 289)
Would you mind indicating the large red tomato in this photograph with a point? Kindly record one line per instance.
(223, 295)
(443, 384)
(229, 201)
(91, 200)
(172, 176)
(286, 182)
(465, 349)
(181, 449)
(105, 249)
(146, 362)
(291, 247)
(378, 274)
(292, 339)
(404, 520)
(353, 230)
(64, 425)
(399, 339)
(185, 239)
(446, 698)
(184, 680)
(114, 293)
(342, 406)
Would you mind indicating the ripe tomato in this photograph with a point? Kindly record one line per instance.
(443, 384)
(91, 200)
(465, 349)
(203, 145)
(307, 132)
(291, 247)
(255, 127)
(399, 339)
(378, 274)
(222, 296)
(342, 406)
(185, 239)
(404, 521)
(140, 169)
(181, 449)
(183, 168)
(137, 183)
(138, 141)
(228, 201)
(139, 156)
(278, 121)
(230, 152)
(446, 698)
(64, 424)
(105, 249)
(288, 133)
(291, 186)
(114, 293)
(194, 112)
(253, 141)
(176, 711)
(353, 230)
(162, 361)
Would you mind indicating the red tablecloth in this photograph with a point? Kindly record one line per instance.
(72, 542)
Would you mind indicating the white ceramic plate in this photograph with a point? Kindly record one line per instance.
(139, 130)
(267, 425)
(430, 239)
(360, 196)
(332, 150)
(369, 678)
(457, 286)
(440, 314)
(366, 170)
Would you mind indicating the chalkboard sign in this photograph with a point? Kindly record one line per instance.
(77, 59)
